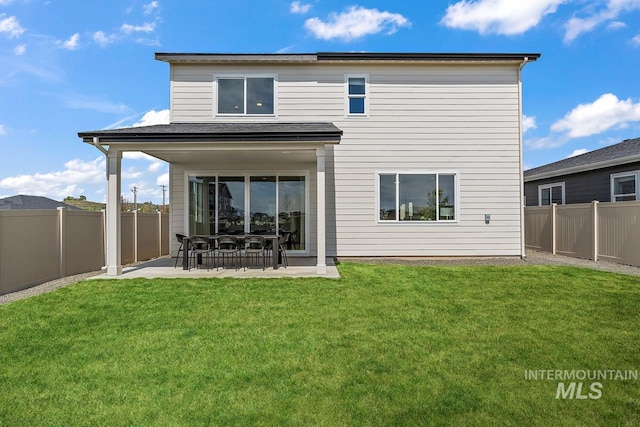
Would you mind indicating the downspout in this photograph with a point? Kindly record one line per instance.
(96, 143)
(520, 147)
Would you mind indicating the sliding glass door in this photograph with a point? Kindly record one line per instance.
(260, 204)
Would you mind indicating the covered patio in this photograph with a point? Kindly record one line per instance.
(164, 268)
(281, 162)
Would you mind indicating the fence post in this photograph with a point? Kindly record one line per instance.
(159, 233)
(594, 216)
(135, 236)
(62, 262)
(554, 209)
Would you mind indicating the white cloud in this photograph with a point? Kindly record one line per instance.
(147, 27)
(82, 102)
(163, 179)
(528, 123)
(20, 50)
(153, 117)
(3, 130)
(11, 26)
(70, 181)
(300, 8)
(577, 152)
(138, 155)
(616, 25)
(72, 43)
(636, 40)
(150, 7)
(506, 17)
(103, 39)
(599, 116)
(577, 26)
(5, 2)
(356, 22)
(155, 167)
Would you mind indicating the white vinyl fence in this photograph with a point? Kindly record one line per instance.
(41, 245)
(606, 231)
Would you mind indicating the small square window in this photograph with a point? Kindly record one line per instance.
(624, 186)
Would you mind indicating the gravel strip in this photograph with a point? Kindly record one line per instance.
(533, 258)
(46, 287)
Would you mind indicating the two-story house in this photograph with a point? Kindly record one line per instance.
(354, 154)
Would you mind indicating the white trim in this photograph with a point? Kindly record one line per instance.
(245, 77)
(347, 96)
(550, 187)
(613, 176)
(437, 173)
(247, 175)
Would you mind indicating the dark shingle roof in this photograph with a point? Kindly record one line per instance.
(307, 131)
(32, 202)
(624, 152)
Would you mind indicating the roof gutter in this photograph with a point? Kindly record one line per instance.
(96, 143)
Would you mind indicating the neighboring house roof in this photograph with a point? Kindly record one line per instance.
(627, 151)
(32, 202)
(346, 56)
(211, 132)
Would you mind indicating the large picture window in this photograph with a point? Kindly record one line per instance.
(246, 95)
(624, 186)
(407, 197)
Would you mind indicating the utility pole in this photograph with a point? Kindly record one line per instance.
(164, 191)
(134, 190)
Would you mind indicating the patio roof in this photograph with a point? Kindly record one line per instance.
(327, 133)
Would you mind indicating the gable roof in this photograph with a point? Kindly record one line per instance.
(32, 202)
(627, 151)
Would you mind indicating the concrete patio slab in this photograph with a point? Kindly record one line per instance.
(164, 268)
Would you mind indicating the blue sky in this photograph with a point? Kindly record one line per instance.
(68, 66)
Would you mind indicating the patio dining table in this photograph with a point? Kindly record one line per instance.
(267, 237)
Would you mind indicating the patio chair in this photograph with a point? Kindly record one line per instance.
(200, 247)
(255, 248)
(228, 247)
(180, 249)
(282, 241)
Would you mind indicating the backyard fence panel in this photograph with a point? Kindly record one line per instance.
(127, 233)
(164, 231)
(619, 232)
(574, 230)
(538, 232)
(29, 248)
(148, 236)
(84, 242)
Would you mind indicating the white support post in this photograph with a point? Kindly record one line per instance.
(594, 205)
(113, 223)
(159, 233)
(321, 235)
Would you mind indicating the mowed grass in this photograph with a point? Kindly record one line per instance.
(384, 345)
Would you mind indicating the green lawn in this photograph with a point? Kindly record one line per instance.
(383, 345)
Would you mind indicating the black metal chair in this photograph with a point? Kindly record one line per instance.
(282, 241)
(228, 247)
(200, 248)
(181, 248)
(255, 249)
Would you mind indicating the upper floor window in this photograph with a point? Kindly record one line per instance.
(404, 197)
(551, 193)
(356, 102)
(245, 95)
(624, 186)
